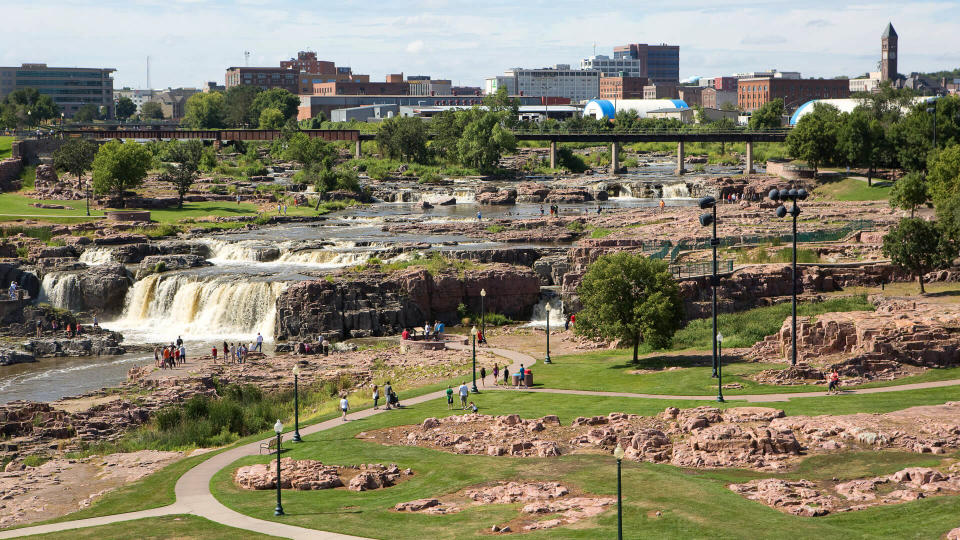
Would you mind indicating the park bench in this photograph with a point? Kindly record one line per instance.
(270, 446)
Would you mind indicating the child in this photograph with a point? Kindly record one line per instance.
(213, 351)
(449, 397)
(344, 407)
(473, 408)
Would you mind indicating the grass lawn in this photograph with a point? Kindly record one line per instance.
(14, 207)
(695, 504)
(854, 189)
(6, 144)
(194, 210)
(182, 527)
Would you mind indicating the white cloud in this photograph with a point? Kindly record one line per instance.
(415, 47)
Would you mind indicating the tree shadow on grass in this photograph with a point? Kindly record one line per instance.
(668, 361)
(942, 294)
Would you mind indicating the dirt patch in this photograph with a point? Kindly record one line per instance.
(61, 486)
(546, 504)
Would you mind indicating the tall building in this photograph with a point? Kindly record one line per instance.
(138, 97)
(658, 63)
(306, 62)
(888, 54)
(622, 87)
(264, 77)
(70, 88)
(558, 81)
(755, 92)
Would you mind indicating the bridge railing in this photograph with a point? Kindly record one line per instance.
(683, 131)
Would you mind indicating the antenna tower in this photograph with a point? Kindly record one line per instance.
(148, 72)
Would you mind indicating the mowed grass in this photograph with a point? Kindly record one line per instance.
(182, 527)
(6, 144)
(694, 504)
(15, 207)
(854, 189)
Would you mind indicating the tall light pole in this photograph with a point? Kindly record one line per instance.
(618, 453)
(783, 196)
(933, 111)
(719, 368)
(547, 359)
(483, 314)
(296, 405)
(278, 427)
(473, 333)
(707, 219)
(87, 185)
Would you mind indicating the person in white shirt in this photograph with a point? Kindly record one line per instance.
(259, 347)
(464, 391)
(344, 407)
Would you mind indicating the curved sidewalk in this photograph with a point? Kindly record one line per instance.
(193, 488)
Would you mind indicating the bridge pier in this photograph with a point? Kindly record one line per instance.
(553, 154)
(357, 150)
(680, 158)
(749, 168)
(614, 157)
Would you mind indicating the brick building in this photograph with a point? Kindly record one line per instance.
(725, 84)
(622, 87)
(660, 91)
(691, 95)
(754, 93)
(711, 98)
(354, 88)
(265, 77)
(306, 62)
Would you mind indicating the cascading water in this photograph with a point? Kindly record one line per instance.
(95, 256)
(465, 195)
(61, 290)
(223, 251)
(676, 191)
(326, 258)
(557, 318)
(163, 306)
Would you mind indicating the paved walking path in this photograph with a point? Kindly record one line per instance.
(193, 489)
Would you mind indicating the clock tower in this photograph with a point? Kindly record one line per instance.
(888, 54)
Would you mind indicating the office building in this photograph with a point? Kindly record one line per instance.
(622, 87)
(756, 92)
(558, 81)
(311, 105)
(287, 78)
(613, 67)
(869, 83)
(771, 73)
(658, 63)
(70, 88)
(352, 88)
(138, 97)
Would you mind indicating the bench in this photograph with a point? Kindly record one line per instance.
(270, 447)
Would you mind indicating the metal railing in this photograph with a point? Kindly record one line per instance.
(666, 131)
(700, 268)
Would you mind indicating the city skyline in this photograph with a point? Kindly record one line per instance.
(196, 40)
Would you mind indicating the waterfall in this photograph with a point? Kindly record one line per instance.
(557, 318)
(61, 290)
(224, 251)
(326, 258)
(676, 191)
(162, 306)
(465, 195)
(95, 256)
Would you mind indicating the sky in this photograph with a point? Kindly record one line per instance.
(193, 41)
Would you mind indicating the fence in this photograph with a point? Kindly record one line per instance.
(700, 268)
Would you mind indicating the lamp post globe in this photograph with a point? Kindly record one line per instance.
(483, 313)
(546, 360)
(618, 453)
(278, 428)
(296, 404)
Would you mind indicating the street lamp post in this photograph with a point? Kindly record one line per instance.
(933, 111)
(707, 219)
(473, 334)
(618, 453)
(719, 368)
(87, 185)
(783, 196)
(483, 314)
(278, 427)
(61, 126)
(296, 405)
(547, 359)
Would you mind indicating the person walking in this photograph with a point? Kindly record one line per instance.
(179, 341)
(213, 352)
(834, 387)
(156, 356)
(496, 374)
(39, 327)
(259, 346)
(464, 391)
(183, 354)
(387, 392)
(479, 216)
(376, 396)
(344, 407)
(233, 353)
(449, 397)
(238, 199)
(483, 376)
(506, 375)
(662, 205)
(284, 208)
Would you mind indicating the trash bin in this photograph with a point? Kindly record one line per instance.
(528, 379)
(516, 379)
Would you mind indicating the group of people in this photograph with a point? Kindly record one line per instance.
(71, 329)
(170, 356)
(433, 331)
(390, 396)
(15, 292)
(281, 209)
(463, 391)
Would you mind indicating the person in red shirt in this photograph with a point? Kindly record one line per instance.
(213, 351)
(405, 334)
(834, 386)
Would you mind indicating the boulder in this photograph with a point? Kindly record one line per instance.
(417, 505)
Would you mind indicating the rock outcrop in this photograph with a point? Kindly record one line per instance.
(376, 304)
(309, 474)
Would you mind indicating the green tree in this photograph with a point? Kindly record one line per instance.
(275, 98)
(27, 106)
(909, 192)
(87, 113)
(237, 103)
(314, 123)
(403, 138)
(501, 102)
(309, 152)
(485, 138)
(125, 108)
(271, 118)
(205, 110)
(120, 166)
(181, 163)
(814, 138)
(861, 140)
(151, 110)
(918, 246)
(75, 156)
(770, 116)
(631, 298)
